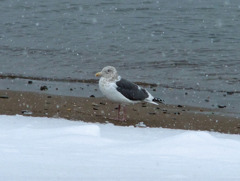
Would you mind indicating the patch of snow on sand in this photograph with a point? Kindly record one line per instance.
(58, 149)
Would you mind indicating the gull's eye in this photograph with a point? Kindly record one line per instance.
(109, 70)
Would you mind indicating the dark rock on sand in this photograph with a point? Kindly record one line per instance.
(43, 88)
(230, 93)
(221, 106)
(4, 97)
(26, 112)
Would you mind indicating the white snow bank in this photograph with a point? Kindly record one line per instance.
(58, 149)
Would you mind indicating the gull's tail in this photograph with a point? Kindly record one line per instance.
(158, 100)
(153, 100)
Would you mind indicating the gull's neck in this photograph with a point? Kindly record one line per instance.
(112, 79)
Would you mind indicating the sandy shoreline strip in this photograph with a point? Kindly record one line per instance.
(103, 111)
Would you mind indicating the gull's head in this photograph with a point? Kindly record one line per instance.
(108, 72)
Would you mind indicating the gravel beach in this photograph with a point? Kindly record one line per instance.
(91, 109)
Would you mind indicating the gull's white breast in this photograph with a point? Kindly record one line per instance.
(109, 89)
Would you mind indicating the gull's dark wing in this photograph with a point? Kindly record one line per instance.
(131, 90)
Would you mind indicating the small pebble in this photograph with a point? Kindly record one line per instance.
(43, 88)
(179, 106)
(164, 111)
(4, 97)
(144, 105)
(30, 82)
(221, 106)
(94, 104)
(230, 93)
(92, 96)
(26, 112)
(102, 103)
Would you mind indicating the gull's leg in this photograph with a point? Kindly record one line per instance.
(124, 114)
(119, 113)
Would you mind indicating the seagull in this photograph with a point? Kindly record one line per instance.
(122, 91)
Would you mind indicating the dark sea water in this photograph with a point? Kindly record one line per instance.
(189, 48)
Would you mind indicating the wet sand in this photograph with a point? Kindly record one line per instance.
(101, 110)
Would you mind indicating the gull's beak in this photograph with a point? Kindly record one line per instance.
(98, 74)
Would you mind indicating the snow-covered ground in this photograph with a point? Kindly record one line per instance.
(58, 149)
